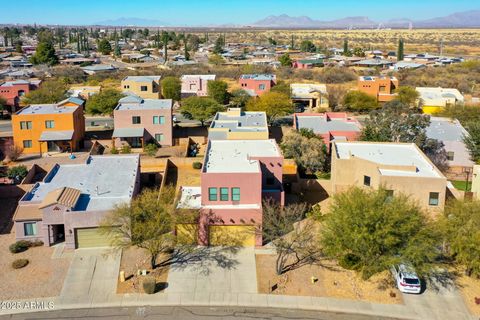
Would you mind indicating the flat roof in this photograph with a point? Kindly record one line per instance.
(374, 78)
(439, 93)
(46, 109)
(136, 103)
(446, 129)
(248, 121)
(104, 181)
(390, 154)
(232, 156)
(258, 76)
(142, 78)
(321, 125)
(305, 90)
(201, 76)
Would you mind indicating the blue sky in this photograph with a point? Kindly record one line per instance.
(206, 12)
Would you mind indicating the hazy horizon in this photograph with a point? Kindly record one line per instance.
(210, 12)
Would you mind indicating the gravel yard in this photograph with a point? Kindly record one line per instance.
(333, 282)
(42, 277)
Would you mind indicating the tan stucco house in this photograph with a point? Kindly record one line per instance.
(398, 167)
(146, 87)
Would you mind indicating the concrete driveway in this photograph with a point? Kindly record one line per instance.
(438, 302)
(214, 270)
(92, 276)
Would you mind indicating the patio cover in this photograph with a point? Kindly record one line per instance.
(128, 133)
(56, 135)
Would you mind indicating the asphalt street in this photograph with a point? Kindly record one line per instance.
(192, 313)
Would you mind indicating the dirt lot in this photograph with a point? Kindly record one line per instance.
(134, 259)
(42, 277)
(333, 282)
(470, 289)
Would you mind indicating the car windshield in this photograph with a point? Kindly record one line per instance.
(411, 281)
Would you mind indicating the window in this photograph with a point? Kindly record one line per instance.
(49, 124)
(143, 88)
(382, 89)
(235, 194)
(366, 181)
(212, 194)
(261, 87)
(223, 194)
(433, 199)
(27, 143)
(159, 137)
(30, 228)
(450, 155)
(158, 120)
(136, 120)
(25, 125)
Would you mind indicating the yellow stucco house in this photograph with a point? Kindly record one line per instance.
(146, 87)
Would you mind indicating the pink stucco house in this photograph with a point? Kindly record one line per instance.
(72, 200)
(331, 126)
(12, 91)
(196, 85)
(257, 84)
(140, 121)
(236, 176)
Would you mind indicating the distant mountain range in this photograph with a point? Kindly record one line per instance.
(137, 22)
(467, 19)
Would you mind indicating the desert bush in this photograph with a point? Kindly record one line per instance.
(19, 246)
(151, 149)
(349, 261)
(197, 165)
(18, 172)
(19, 263)
(114, 150)
(126, 149)
(149, 284)
(13, 153)
(337, 75)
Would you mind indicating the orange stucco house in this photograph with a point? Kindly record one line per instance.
(50, 127)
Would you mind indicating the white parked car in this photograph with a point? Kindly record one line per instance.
(406, 279)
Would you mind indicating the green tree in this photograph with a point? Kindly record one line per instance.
(147, 223)
(103, 102)
(239, 98)
(216, 59)
(346, 50)
(282, 87)
(218, 49)
(407, 95)
(272, 41)
(217, 90)
(104, 47)
(400, 53)
(17, 173)
(51, 91)
(171, 88)
(45, 52)
(371, 230)
(307, 46)
(358, 52)
(307, 149)
(461, 225)
(291, 235)
(285, 60)
(359, 101)
(472, 140)
(151, 149)
(200, 108)
(274, 104)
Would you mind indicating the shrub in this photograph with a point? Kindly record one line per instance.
(149, 284)
(19, 263)
(197, 165)
(349, 261)
(114, 150)
(151, 149)
(126, 149)
(18, 172)
(13, 153)
(19, 246)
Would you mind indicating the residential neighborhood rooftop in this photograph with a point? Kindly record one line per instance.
(234, 156)
(304, 90)
(391, 155)
(133, 102)
(142, 78)
(260, 77)
(201, 76)
(439, 93)
(322, 123)
(446, 129)
(46, 109)
(235, 120)
(103, 181)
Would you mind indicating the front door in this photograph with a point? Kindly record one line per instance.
(52, 146)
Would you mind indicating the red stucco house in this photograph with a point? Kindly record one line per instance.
(12, 91)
